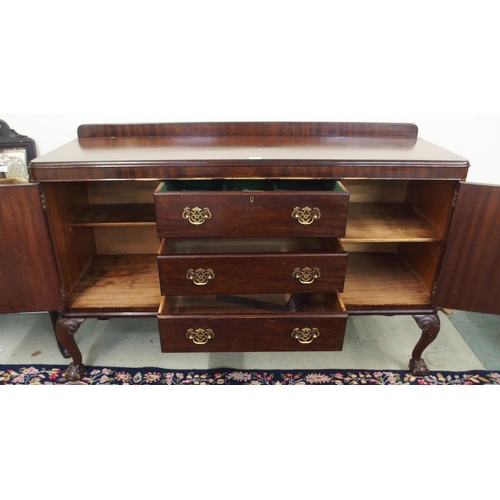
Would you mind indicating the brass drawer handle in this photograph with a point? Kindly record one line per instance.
(200, 277)
(200, 336)
(197, 216)
(306, 215)
(306, 275)
(305, 335)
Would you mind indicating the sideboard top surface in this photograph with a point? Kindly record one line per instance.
(248, 150)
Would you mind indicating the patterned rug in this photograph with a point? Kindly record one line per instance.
(53, 375)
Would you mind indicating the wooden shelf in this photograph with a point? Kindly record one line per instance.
(113, 215)
(119, 283)
(381, 281)
(387, 222)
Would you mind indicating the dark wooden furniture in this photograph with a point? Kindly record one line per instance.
(254, 236)
(26, 256)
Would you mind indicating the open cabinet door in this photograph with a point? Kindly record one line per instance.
(469, 279)
(29, 280)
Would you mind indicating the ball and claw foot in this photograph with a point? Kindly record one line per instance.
(74, 372)
(418, 368)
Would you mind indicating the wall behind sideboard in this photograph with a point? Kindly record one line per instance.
(248, 61)
(476, 137)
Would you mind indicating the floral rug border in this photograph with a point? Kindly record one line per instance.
(53, 375)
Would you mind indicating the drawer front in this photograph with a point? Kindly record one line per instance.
(253, 273)
(251, 214)
(199, 326)
(219, 332)
(241, 334)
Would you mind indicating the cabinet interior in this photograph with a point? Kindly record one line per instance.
(395, 237)
(105, 237)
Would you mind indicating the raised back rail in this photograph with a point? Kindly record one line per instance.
(297, 129)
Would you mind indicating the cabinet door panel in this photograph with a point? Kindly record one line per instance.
(28, 274)
(470, 274)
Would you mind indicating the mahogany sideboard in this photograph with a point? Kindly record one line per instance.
(249, 236)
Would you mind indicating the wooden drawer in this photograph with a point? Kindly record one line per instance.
(251, 323)
(251, 209)
(213, 266)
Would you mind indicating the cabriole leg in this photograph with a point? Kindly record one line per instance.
(54, 316)
(65, 331)
(430, 326)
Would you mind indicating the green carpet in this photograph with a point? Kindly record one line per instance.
(481, 332)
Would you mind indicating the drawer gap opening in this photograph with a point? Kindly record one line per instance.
(296, 302)
(251, 185)
(317, 303)
(214, 246)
